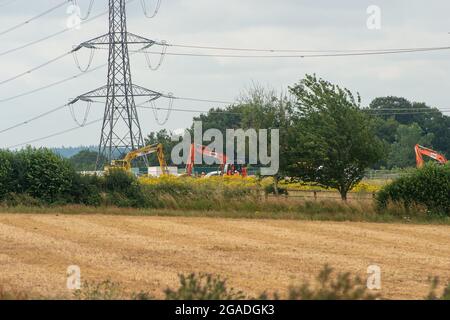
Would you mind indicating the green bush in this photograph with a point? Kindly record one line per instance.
(270, 189)
(428, 187)
(42, 174)
(86, 190)
(21, 199)
(434, 296)
(329, 287)
(123, 189)
(106, 290)
(202, 287)
(6, 174)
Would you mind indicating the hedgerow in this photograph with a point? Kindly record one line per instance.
(428, 187)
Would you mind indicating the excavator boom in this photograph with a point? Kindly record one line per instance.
(225, 168)
(423, 151)
(126, 162)
(222, 159)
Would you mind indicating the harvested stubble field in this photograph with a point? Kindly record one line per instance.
(147, 253)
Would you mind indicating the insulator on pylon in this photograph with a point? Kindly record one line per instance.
(161, 58)
(155, 12)
(77, 62)
(88, 13)
(169, 110)
(86, 113)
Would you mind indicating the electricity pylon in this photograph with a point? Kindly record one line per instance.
(121, 130)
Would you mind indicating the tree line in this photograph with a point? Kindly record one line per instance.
(326, 136)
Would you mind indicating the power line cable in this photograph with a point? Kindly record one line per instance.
(56, 83)
(34, 118)
(91, 4)
(51, 85)
(203, 100)
(46, 12)
(204, 47)
(7, 3)
(20, 124)
(298, 56)
(35, 68)
(100, 119)
(54, 134)
(155, 12)
(223, 56)
(53, 34)
(29, 44)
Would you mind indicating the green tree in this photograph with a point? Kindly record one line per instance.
(86, 160)
(6, 173)
(165, 138)
(42, 174)
(428, 186)
(402, 111)
(402, 150)
(333, 141)
(257, 108)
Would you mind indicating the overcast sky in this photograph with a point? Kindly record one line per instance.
(278, 24)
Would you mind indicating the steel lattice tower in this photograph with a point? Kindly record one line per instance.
(121, 130)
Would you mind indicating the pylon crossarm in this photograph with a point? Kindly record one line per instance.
(135, 39)
(144, 92)
(106, 40)
(102, 92)
(90, 44)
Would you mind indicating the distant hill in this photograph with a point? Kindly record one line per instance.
(68, 152)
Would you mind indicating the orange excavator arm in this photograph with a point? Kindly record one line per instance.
(203, 151)
(423, 151)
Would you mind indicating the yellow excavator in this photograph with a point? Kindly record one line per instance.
(125, 163)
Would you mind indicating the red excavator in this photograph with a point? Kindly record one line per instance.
(225, 168)
(423, 151)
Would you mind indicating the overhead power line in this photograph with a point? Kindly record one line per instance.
(51, 85)
(373, 112)
(34, 118)
(399, 51)
(35, 68)
(302, 56)
(54, 134)
(203, 100)
(139, 106)
(62, 31)
(274, 50)
(46, 12)
(7, 3)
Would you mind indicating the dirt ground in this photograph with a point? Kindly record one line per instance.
(147, 253)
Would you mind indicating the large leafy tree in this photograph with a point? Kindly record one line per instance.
(86, 160)
(402, 111)
(6, 173)
(333, 141)
(402, 150)
(257, 108)
(42, 174)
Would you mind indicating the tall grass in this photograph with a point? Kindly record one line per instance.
(328, 285)
(229, 197)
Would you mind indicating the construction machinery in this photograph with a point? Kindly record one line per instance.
(225, 168)
(125, 163)
(423, 151)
